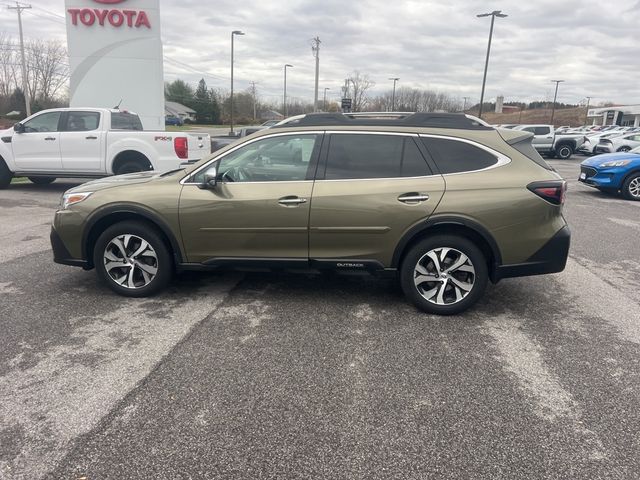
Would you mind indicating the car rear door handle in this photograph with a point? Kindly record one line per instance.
(49, 138)
(91, 137)
(413, 197)
(291, 201)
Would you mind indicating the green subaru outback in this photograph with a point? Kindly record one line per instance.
(444, 200)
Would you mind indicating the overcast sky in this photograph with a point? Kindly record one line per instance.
(593, 45)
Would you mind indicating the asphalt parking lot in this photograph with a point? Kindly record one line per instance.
(280, 375)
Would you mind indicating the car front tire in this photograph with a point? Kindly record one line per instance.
(132, 259)
(444, 274)
(631, 187)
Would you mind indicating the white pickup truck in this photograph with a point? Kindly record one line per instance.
(91, 142)
(551, 143)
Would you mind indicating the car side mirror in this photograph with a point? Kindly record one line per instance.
(18, 128)
(210, 178)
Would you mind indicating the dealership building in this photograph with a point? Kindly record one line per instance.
(624, 115)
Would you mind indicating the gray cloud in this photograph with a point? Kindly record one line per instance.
(427, 43)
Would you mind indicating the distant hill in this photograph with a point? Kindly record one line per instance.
(574, 117)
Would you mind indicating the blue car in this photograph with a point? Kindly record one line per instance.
(613, 172)
(173, 120)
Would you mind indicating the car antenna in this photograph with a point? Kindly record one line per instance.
(117, 107)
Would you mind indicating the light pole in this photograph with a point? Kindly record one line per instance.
(586, 115)
(553, 108)
(285, 109)
(393, 96)
(234, 33)
(324, 100)
(464, 106)
(493, 15)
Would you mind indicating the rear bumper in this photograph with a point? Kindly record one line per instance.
(61, 254)
(551, 258)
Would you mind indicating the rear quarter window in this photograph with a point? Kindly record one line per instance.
(455, 156)
(125, 121)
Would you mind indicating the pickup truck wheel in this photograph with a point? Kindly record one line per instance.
(631, 187)
(623, 149)
(444, 274)
(5, 175)
(42, 180)
(564, 152)
(132, 259)
(130, 166)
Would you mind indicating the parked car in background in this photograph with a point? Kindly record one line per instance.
(614, 172)
(444, 200)
(592, 140)
(620, 143)
(547, 141)
(270, 123)
(173, 120)
(91, 142)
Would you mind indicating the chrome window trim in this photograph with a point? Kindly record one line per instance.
(501, 157)
(243, 144)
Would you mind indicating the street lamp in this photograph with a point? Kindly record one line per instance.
(235, 32)
(325, 98)
(493, 15)
(393, 96)
(286, 110)
(553, 108)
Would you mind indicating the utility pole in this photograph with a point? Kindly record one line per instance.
(233, 34)
(315, 49)
(325, 98)
(253, 94)
(586, 115)
(493, 15)
(285, 108)
(393, 96)
(25, 85)
(464, 106)
(555, 96)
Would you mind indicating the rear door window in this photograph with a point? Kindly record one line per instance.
(361, 156)
(125, 121)
(455, 156)
(82, 121)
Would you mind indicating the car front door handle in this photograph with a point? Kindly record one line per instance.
(413, 197)
(291, 201)
(91, 137)
(49, 138)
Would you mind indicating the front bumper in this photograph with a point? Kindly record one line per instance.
(551, 258)
(61, 254)
(608, 177)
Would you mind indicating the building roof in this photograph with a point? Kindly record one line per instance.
(625, 109)
(176, 108)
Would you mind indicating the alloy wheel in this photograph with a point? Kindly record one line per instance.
(444, 276)
(634, 187)
(130, 261)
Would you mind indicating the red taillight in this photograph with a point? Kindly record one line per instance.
(552, 192)
(181, 147)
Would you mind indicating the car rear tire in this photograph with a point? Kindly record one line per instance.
(5, 175)
(444, 274)
(631, 187)
(132, 259)
(564, 152)
(623, 149)
(42, 180)
(130, 166)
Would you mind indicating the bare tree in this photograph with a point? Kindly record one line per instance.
(8, 62)
(359, 84)
(47, 72)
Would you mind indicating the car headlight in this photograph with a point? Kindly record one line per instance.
(69, 199)
(615, 163)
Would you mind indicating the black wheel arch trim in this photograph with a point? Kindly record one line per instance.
(422, 227)
(138, 210)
